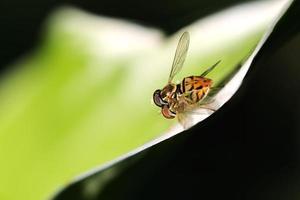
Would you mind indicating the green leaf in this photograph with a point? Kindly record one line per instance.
(82, 100)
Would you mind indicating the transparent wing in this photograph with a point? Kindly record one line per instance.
(210, 69)
(193, 115)
(185, 120)
(180, 54)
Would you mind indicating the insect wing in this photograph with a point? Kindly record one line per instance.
(184, 120)
(192, 115)
(180, 55)
(209, 69)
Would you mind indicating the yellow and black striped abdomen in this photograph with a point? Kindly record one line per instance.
(195, 88)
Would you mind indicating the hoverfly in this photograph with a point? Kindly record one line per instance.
(176, 99)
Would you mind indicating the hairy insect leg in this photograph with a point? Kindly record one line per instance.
(207, 107)
(210, 97)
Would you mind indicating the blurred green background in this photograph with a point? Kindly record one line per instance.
(76, 88)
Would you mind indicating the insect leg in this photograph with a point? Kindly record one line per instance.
(207, 107)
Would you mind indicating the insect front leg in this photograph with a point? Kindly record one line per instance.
(186, 98)
(182, 104)
(207, 107)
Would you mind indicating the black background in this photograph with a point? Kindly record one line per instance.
(249, 149)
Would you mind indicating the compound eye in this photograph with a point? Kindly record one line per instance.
(165, 111)
(157, 99)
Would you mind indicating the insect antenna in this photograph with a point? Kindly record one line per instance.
(210, 69)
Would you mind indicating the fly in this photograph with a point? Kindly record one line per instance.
(175, 99)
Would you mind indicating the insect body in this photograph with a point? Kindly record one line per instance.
(175, 99)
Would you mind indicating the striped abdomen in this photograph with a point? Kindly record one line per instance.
(195, 88)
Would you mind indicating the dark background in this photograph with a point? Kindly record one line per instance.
(249, 149)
